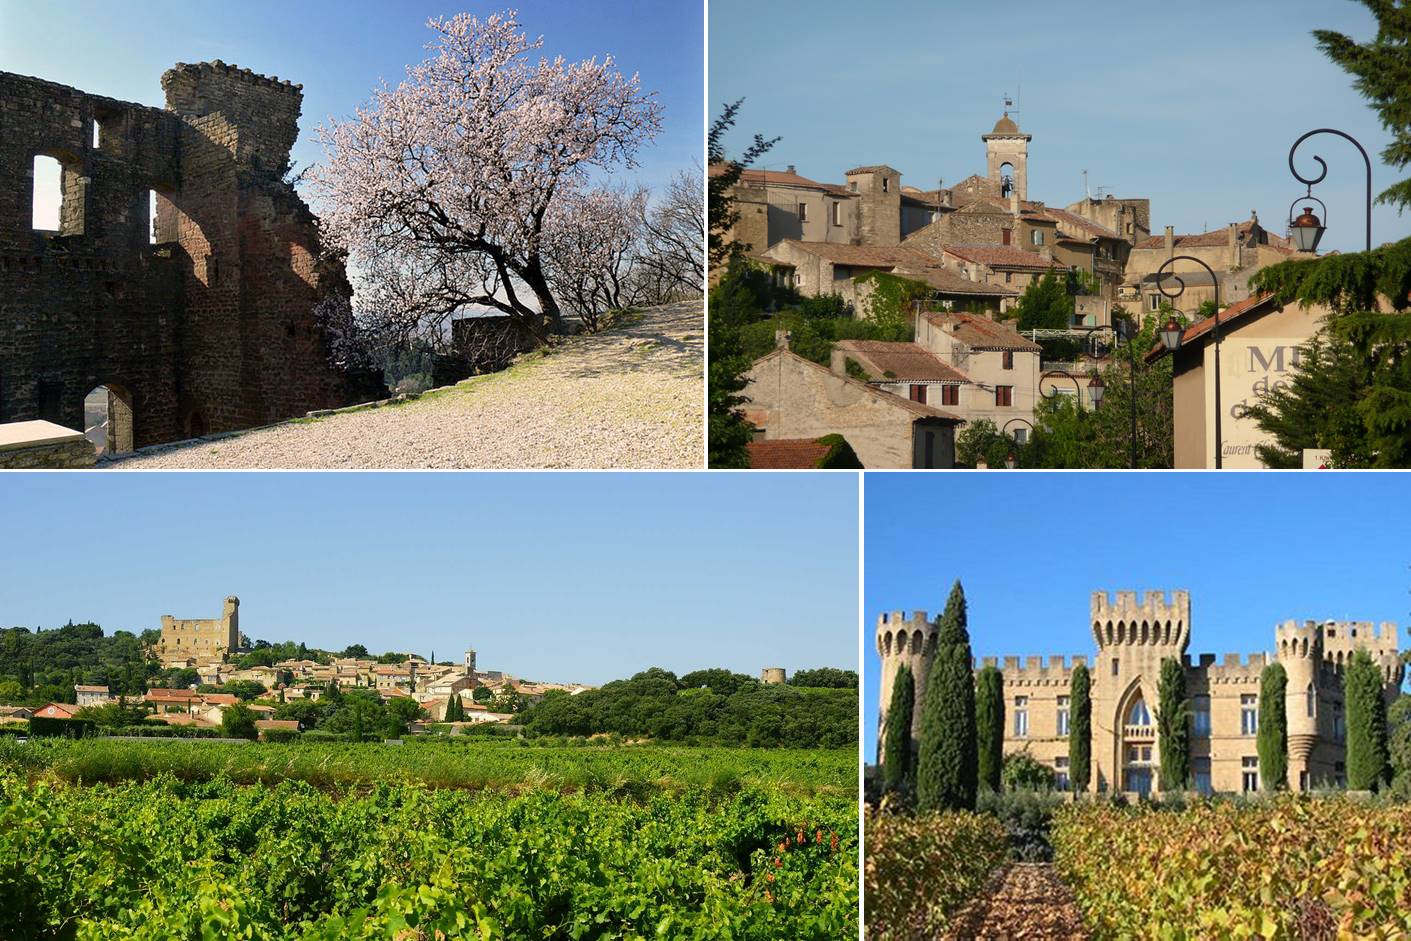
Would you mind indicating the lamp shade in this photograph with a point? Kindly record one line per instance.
(1009, 460)
(1096, 388)
(1171, 335)
(1307, 230)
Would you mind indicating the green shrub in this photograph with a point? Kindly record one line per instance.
(1022, 772)
(43, 726)
(281, 735)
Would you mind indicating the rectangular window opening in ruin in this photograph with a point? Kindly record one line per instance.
(152, 217)
(97, 133)
(48, 194)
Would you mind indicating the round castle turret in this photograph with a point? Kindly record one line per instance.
(1299, 648)
(910, 642)
(774, 675)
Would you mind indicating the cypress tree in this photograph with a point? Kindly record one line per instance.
(896, 764)
(1273, 736)
(1172, 726)
(1367, 754)
(946, 772)
(989, 726)
(1080, 731)
(455, 712)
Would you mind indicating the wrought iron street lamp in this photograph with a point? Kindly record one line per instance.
(1215, 332)
(1009, 461)
(1171, 333)
(1052, 391)
(1095, 388)
(1307, 230)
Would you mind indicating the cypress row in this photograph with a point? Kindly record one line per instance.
(1367, 754)
(946, 772)
(1173, 726)
(1273, 736)
(1080, 728)
(989, 726)
(896, 751)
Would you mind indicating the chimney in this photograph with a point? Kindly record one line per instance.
(781, 339)
(1170, 242)
(839, 362)
(1014, 204)
(791, 168)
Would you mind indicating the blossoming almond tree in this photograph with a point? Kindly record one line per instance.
(593, 242)
(448, 182)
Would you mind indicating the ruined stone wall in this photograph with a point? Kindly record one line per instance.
(211, 328)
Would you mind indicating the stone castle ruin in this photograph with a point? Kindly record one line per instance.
(198, 318)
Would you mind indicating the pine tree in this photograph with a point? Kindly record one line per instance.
(1383, 71)
(1368, 760)
(989, 727)
(1080, 730)
(946, 772)
(896, 767)
(1173, 726)
(1273, 737)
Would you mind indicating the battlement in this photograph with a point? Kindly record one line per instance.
(1234, 667)
(1056, 669)
(897, 635)
(262, 110)
(1148, 619)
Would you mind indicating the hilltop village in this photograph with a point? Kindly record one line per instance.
(203, 667)
(956, 263)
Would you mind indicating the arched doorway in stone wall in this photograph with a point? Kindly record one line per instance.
(1137, 743)
(108, 418)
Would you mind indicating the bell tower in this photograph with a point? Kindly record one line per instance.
(1007, 146)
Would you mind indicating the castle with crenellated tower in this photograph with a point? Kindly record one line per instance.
(1133, 634)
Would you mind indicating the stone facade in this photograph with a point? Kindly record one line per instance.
(200, 320)
(1133, 634)
(791, 397)
(773, 675)
(42, 444)
(203, 638)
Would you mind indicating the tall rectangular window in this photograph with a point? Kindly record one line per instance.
(1200, 716)
(837, 208)
(1007, 359)
(918, 393)
(1339, 723)
(1037, 236)
(803, 212)
(1021, 716)
(1200, 770)
(1249, 714)
(1060, 772)
(1004, 236)
(1249, 774)
(1063, 715)
(950, 395)
(1004, 395)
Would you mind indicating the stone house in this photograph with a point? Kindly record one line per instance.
(1014, 268)
(792, 397)
(1133, 634)
(815, 269)
(973, 367)
(91, 696)
(172, 700)
(1235, 252)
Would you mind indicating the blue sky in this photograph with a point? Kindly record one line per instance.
(340, 50)
(555, 576)
(1253, 550)
(1193, 105)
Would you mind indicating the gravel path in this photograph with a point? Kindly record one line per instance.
(629, 397)
(1022, 901)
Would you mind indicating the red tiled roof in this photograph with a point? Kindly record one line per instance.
(786, 453)
(65, 710)
(916, 408)
(1217, 238)
(1087, 225)
(899, 361)
(1198, 329)
(874, 168)
(786, 178)
(1001, 256)
(219, 699)
(171, 695)
(981, 333)
(905, 262)
(90, 689)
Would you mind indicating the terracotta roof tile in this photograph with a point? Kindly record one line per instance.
(785, 453)
(905, 262)
(899, 361)
(981, 333)
(1201, 327)
(1078, 222)
(874, 168)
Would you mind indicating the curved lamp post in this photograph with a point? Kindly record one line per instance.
(1307, 229)
(1004, 430)
(1171, 338)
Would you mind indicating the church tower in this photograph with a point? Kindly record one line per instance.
(470, 663)
(1007, 146)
